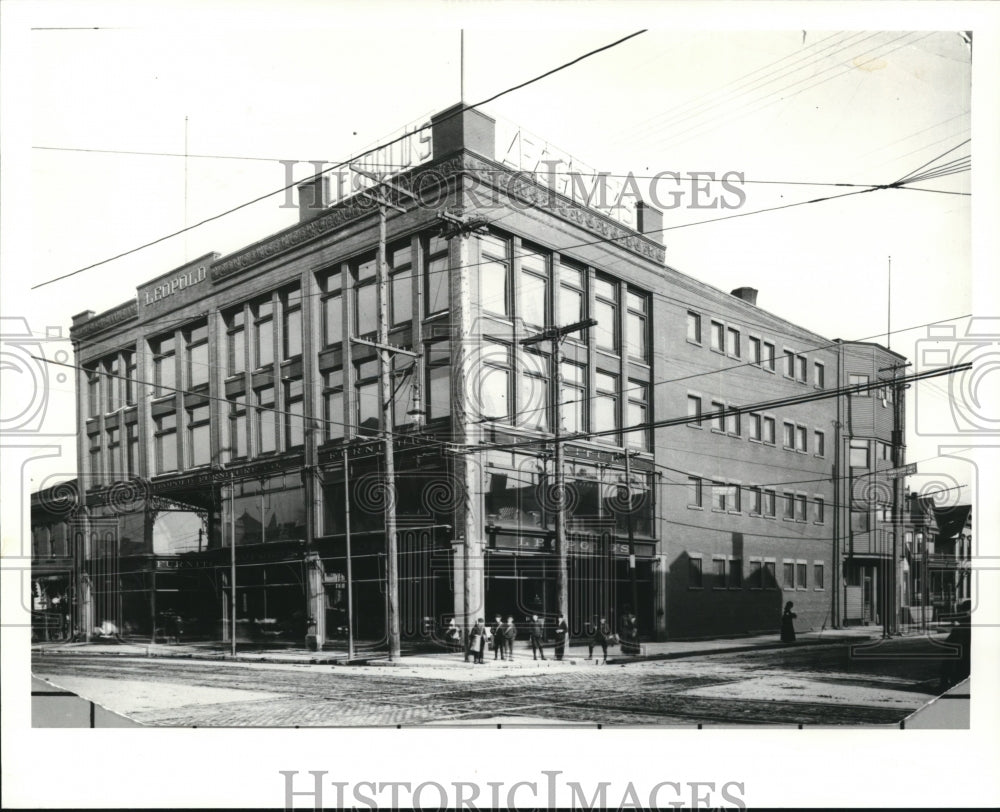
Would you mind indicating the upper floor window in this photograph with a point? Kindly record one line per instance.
(859, 454)
(718, 336)
(636, 328)
(733, 342)
(819, 375)
(436, 272)
(164, 368)
(401, 284)
(755, 350)
(294, 422)
(265, 418)
(801, 368)
(198, 446)
(333, 403)
(494, 275)
(606, 407)
(263, 332)
(572, 397)
(333, 310)
(694, 410)
(859, 380)
(93, 393)
(534, 288)
(534, 390)
(438, 379)
(365, 296)
(112, 384)
(637, 414)
(196, 341)
(165, 442)
(291, 332)
(495, 381)
(606, 313)
(236, 343)
(769, 356)
(694, 327)
(131, 378)
(789, 364)
(571, 293)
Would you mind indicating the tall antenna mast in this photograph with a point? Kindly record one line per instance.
(185, 187)
(461, 66)
(888, 309)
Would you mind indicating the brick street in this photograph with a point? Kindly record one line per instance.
(829, 684)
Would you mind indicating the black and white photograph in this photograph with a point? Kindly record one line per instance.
(521, 405)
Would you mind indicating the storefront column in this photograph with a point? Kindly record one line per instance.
(660, 570)
(315, 599)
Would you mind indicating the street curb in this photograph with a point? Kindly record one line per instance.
(676, 655)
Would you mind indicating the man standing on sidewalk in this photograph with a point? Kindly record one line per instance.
(509, 633)
(600, 638)
(498, 639)
(562, 632)
(537, 633)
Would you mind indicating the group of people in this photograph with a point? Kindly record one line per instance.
(500, 636)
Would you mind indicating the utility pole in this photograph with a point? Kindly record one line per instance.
(556, 335)
(631, 534)
(232, 561)
(897, 463)
(385, 352)
(347, 544)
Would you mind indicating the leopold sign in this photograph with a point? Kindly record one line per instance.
(177, 281)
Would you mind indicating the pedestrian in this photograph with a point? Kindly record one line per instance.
(788, 624)
(509, 633)
(630, 635)
(453, 636)
(599, 637)
(562, 632)
(498, 638)
(537, 635)
(477, 639)
(957, 662)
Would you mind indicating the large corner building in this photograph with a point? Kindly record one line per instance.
(239, 399)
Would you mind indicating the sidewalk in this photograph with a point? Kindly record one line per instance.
(576, 654)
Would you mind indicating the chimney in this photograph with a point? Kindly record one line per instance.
(746, 294)
(649, 221)
(458, 127)
(314, 196)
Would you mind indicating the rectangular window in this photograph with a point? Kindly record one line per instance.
(333, 319)
(606, 407)
(694, 327)
(756, 578)
(494, 275)
(801, 575)
(719, 573)
(733, 422)
(859, 454)
(131, 376)
(436, 272)
(718, 336)
(291, 332)
(534, 390)
(165, 442)
(93, 393)
(756, 501)
(238, 426)
(755, 351)
(265, 417)
(859, 380)
(263, 336)
(788, 437)
(733, 342)
(769, 579)
(366, 391)
(769, 430)
(96, 465)
(606, 313)
(236, 362)
(819, 441)
(363, 272)
(718, 416)
(199, 446)
(637, 411)
(694, 410)
(333, 403)
(112, 378)
(495, 382)
(694, 491)
(801, 369)
(801, 439)
(788, 500)
(570, 293)
(860, 521)
(114, 446)
(756, 427)
(132, 449)
(400, 284)
(733, 502)
(719, 490)
(769, 356)
(770, 497)
(735, 573)
(819, 576)
(789, 364)
(694, 573)
(439, 379)
(533, 292)
(294, 417)
(573, 397)
(788, 575)
(819, 375)
(819, 510)
(636, 333)
(801, 508)
(164, 368)
(196, 344)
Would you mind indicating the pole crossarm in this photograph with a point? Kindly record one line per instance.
(386, 347)
(555, 333)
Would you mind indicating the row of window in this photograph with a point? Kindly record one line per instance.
(727, 573)
(728, 340)
(728, 497)
(761, 428)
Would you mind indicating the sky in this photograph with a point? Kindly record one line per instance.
(795, 98)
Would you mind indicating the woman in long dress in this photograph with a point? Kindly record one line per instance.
(788, 624)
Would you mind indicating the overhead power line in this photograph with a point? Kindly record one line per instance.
(348, 161)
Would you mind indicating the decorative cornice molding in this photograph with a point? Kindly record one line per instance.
(109, 318)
